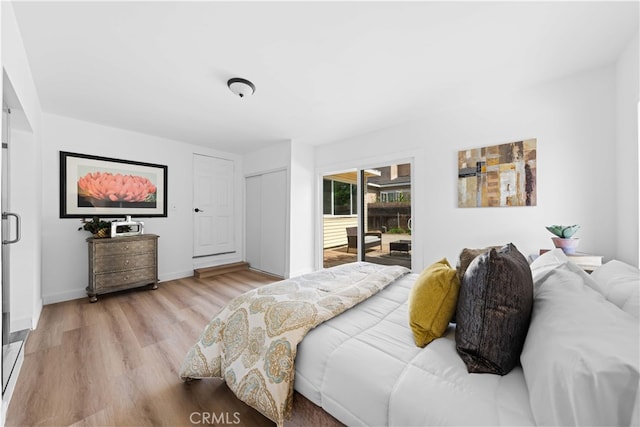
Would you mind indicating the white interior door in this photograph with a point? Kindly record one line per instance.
(213, 206)
(266, 198)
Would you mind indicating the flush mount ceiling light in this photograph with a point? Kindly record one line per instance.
(241, 87)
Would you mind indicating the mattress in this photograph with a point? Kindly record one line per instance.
(363, 368)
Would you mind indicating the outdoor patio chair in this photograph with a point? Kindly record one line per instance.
(371, 239)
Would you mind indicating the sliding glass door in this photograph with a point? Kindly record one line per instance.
(386, 216)
(373, 224)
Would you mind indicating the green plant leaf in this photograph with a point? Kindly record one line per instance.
(563, 231)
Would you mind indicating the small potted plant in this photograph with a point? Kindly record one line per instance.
(564, 237)
(97, 227)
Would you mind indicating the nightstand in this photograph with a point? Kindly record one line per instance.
(587, 262)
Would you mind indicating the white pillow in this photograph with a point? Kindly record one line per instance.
(546, 263)
(580, 359)
(620, 284)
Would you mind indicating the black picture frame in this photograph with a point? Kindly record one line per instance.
(111, 188)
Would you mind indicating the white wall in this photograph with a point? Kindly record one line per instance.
(271, 158)
(573, 120)
(64, 257)
(627, 98)
(16, 66)
(303, 210)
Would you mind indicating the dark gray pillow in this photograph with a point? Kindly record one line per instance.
(464, 259)
(494, 309)
(469, 254)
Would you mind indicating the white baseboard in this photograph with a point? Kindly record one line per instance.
(21, 324)
(64, 296)
(175, 276)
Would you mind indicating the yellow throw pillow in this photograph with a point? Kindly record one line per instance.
(432, 302)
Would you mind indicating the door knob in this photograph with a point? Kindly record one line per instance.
(198, 210)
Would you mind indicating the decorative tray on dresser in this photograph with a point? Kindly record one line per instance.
(122, 263)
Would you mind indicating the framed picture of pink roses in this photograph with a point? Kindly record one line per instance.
(111, 188)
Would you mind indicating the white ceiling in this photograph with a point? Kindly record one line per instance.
(323, 70)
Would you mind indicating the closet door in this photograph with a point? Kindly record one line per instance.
(266, 222)
(274, 216)
(253, 240)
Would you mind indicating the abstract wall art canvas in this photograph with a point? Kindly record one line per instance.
(498, 175)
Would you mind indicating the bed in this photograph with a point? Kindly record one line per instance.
(364, 368)
(578, 364)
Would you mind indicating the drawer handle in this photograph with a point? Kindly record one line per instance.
(126, 262)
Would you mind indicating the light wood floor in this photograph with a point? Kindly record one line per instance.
(116, 362)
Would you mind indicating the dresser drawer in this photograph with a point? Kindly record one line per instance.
(125, 278)
(124, 247)
(108, 264)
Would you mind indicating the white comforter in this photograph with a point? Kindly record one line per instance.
(364, 368)
(252, 341)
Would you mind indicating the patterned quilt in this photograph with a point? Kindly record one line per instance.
(252, 342)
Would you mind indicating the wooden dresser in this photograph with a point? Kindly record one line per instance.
(122, 263)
